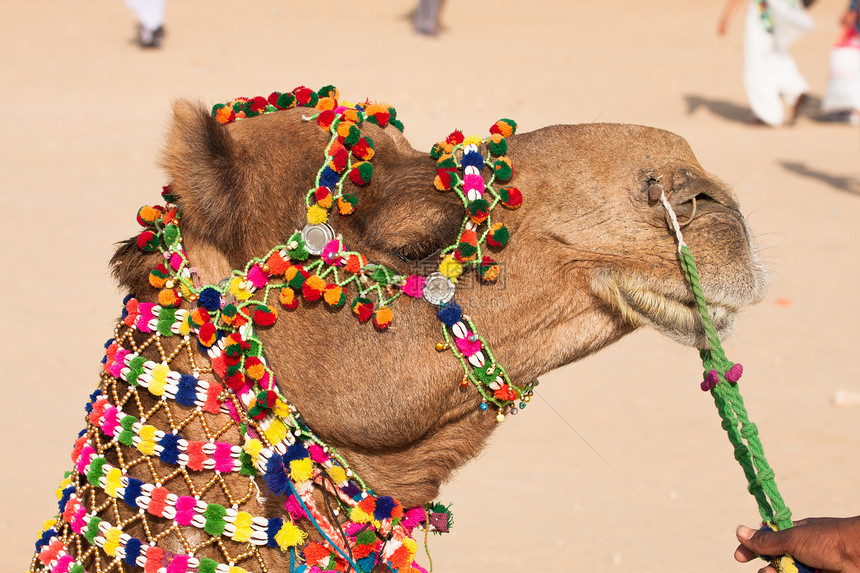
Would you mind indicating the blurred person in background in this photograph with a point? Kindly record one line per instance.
(771, 77)
(150, 18)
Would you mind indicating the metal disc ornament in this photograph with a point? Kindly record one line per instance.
(316, 237)
(438, 289)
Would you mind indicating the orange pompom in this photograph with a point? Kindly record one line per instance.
(169, 297)
(277, 264)
(382, 317)
(288, 298)
(354, 265)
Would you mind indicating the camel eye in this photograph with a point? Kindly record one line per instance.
(418, 252)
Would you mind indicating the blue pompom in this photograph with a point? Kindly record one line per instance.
(210, 299)
(64, 497)
(384, 506)
(186, 393)
(295, 452)
(472, 159)
(170, 448)
(272, 529)
(133, 491)
(132, 550)
(368, 562)
(276, 476)
(450, 314)
(329, 177)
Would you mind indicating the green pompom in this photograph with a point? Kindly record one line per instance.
(437, 151)
(286, 100)
(503, 169)
(327, 91)
(214, 515)
(171, 235)
(447, 164)
(300, 251)
(217, 107)
(381, 276)
(499, 148)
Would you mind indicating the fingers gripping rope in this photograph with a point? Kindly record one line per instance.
(742, 433)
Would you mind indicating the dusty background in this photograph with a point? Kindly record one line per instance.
(620, 463)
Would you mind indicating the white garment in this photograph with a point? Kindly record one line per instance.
(150, 13)
(771, 77)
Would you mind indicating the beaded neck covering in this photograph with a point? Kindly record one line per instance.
(141, 485)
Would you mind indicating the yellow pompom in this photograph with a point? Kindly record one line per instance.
(253, 447)
(276, 431)
(358, 516)
(237, 569)
(301, 470)
(337, 474)
(410, 545)
(243, 527)
(317, 215)
(450, 268)
(112, 482)
(473, 139)
(185, 325)
(240, 288)
(111, 541)
(281, 408)
(289, 536)
(49, 524)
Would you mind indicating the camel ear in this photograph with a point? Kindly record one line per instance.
(201, 159)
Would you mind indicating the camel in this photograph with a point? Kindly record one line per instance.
(590, 259)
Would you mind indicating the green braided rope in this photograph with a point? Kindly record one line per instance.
(742, 433)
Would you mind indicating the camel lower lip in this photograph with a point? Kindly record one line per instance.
(680, 319)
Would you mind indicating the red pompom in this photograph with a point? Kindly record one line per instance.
(326, 118)
(456, 138)
(264, 315)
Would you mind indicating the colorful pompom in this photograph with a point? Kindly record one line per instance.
(363, 308)
(305, 96)
(147, 215)
(223, 113)
(478, 211)
(158, 276)
(348, 133)
(255, 107)
(503, 168)
(346, 204)
(456, 137)
(147, 241)
(326, 118)
(363, 149)
(323, 197)
(255, 368)
(313, 287)
(445, 180)
(329, 91)
(286, 101)
(355, 263)
(287, 296)
(497, 144)
(498, 235)
(450, 268)
(334, 295)
(488, 269)
(511, 197)
(378, 114)
(382, 317)
(504, 127)
(361, 173)
(207, 334)
(339, 160)
(264, 315)
(169, 297)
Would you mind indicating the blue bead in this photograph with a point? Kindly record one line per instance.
(483, 406)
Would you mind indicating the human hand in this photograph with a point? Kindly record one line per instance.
(830, 544)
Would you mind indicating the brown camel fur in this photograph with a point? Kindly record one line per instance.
(591, 258)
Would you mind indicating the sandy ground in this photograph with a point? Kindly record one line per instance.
(619, 463)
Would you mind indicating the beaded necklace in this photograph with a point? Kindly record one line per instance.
(277, 445)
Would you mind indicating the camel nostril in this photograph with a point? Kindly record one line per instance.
(654, 192)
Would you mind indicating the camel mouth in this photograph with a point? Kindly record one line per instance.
(641, 303)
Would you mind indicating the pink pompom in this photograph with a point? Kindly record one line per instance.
(317, 454)
(473, 182)
(258, 277)
(330, 253)
(468, 347)
(294, 508)
(413, 517)
(414, 286)
(175, 261)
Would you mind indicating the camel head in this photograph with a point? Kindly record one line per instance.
(591, 258)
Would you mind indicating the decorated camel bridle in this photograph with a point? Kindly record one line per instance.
(358, 529)
(362, 530)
